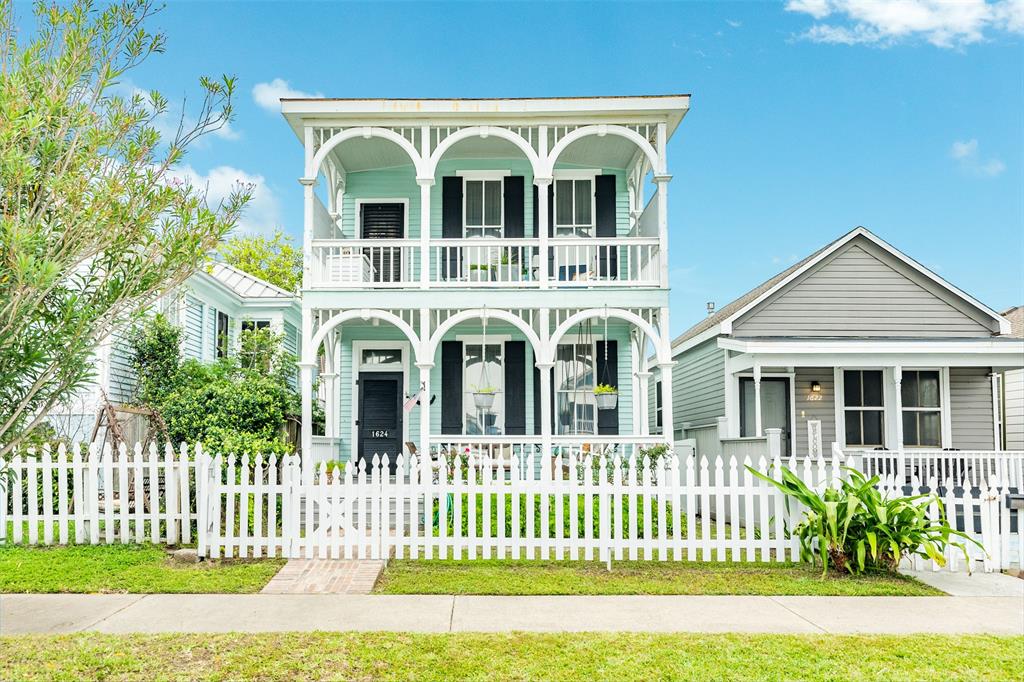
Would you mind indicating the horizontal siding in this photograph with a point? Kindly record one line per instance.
(123, 379)
(192, 345)
(698, 385)
(823, 410)
(858, 292)
(1013, 409)
(970, 407)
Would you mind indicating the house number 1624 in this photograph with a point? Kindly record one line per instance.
(379, 434)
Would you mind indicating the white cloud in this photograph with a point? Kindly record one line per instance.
(734, 23)
(262, 215)
(268, 95)
(968, 156)
(881, 23)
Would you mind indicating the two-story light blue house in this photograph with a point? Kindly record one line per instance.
(474, 269)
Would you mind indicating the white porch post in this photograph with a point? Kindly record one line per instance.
(329, 379)
(426, 365)
(425, 186)
(643, 386)
(545, 415)
(661, 179)
(667, 430)
(542, 227)
(897, 380)
(306, 365)
(308, 182)
(757, 399)
(997, 411)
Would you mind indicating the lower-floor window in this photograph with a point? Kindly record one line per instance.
(575, 405)
(922, 411)
(483, 379)
(864, 406)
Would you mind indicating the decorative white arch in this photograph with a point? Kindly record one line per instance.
(480, 313)
(364, 132)
(484, 131)
(663, 354)
(601, 129)
(365, 314)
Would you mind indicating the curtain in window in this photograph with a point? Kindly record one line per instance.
(474, 202)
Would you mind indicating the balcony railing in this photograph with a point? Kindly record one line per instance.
(487, 262)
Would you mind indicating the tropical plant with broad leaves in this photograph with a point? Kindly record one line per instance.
(855, 528)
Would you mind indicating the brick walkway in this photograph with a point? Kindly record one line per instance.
(325, 576)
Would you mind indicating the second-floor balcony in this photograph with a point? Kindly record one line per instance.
(485, 262)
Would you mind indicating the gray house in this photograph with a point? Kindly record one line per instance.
(1013, 389)
(858, 345)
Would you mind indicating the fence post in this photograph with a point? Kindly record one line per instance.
(202, 500)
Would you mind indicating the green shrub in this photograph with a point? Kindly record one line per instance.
(854, 528)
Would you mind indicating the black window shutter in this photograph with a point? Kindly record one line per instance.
(608, 373)
(604, 222)
(451, 223)
(515, 387)
(451, 387)
(515, 207)
(536, 215)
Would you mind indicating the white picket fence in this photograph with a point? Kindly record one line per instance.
(94, 496)
(574, 506)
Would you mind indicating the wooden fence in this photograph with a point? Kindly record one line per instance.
(577, 506)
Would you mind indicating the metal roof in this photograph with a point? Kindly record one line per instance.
(244, 284)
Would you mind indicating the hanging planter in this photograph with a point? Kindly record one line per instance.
(483, 398)
(607, 397)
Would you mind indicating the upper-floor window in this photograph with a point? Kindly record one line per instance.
(574, 205)
(483, 209)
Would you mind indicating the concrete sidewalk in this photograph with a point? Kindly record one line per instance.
(424, 613)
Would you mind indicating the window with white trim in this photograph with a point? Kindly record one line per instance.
(483, 210)
(863, 407)
(922, 408)
(574, 207)
(480, 418)
(575, 404)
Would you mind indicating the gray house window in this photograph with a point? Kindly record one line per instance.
(223, 322)
(864, 407)
(922, 412)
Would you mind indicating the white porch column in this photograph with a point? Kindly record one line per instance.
(997, 411)
(643, 386)
(897, 380)
(661, 179)
(306, 365)
(545, 415)
(425, 363)
(667, 429)
(542, 228)
(308, 182)
(425, 186)
(757, 399)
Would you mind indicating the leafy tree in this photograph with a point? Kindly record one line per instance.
(274, 259)
(155, 357)
(93, 224)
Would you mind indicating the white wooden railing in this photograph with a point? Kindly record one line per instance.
(973, 467)
(365, 263)
(594, 262)
(486, 262)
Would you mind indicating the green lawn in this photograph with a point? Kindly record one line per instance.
(633, 577)
(514, 656)
(125, 568)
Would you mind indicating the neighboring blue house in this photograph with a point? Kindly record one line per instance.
(211, 308)
(475, 268)
(857, 344)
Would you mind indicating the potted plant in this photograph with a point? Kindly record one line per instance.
(607, 397)
(507, 270)
(483, 397)
(479, 272)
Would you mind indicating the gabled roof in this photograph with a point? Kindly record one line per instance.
(721, 321)
(1016, 317)
(243, 284)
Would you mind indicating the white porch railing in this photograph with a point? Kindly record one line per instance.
(484, 262)
(365, 263)
(978, 468)
(594, 262)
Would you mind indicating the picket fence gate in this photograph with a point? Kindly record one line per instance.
(576, 506)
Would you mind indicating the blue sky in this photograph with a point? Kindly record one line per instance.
(806, 120)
